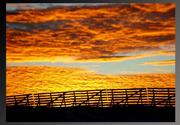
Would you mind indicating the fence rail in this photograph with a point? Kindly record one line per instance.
(159, 97)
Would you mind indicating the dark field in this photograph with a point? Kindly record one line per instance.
(130, 113)
(113, 105)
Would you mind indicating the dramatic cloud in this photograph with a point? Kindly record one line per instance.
(90, 33)
(62, 47)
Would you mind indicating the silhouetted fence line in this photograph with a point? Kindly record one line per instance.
(159, 97)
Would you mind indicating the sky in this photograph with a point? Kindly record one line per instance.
(54, 47)
(105, 38)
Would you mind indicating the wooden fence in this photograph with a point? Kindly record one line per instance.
(159, 97)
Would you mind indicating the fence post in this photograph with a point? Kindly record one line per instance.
(107, 95)
(15, 101)
(112, 100)
(34, 104)
(38, 100)
(147, 93)
(153, 101)
(51, 102)
(169, 99)
(64, 99)
(140, 96)
(101, 98)
(87, 102)
(74, 104)
(126, 97)
(27, 103)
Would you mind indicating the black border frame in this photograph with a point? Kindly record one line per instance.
(3, 61)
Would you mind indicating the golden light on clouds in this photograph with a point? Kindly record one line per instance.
(37, 79)
(91, 33)
(80, 47)
(161, 63)
(155, 8)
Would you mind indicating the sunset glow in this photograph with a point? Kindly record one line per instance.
(23, 80)
(61, 47)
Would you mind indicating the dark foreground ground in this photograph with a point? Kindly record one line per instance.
(138, 113)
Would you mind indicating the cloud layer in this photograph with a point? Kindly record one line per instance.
(90, 33)
(35, 79)
(161, 63)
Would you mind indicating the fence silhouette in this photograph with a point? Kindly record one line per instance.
(159, 97)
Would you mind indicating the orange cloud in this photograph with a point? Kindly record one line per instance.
(161, 63)
(147, 7)
(36, 79)
(89, 33)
